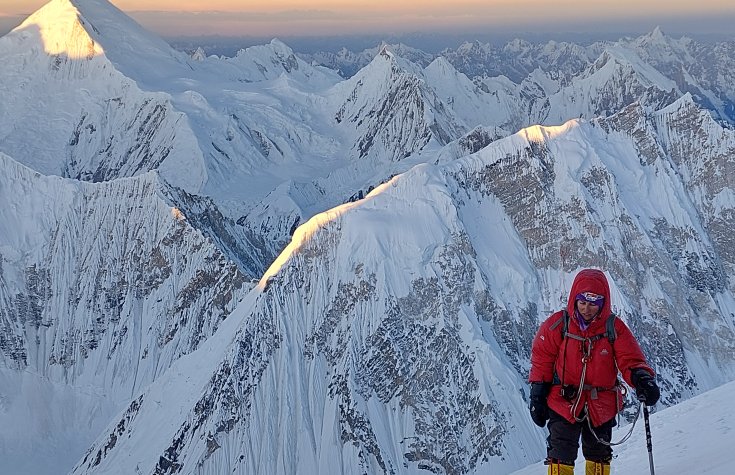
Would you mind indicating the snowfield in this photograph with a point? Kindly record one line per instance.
(696, 436)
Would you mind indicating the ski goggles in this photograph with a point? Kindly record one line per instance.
(591, 297)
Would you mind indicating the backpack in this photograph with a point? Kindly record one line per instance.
(609, 329)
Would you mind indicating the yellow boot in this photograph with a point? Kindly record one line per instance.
(596, 468)
(556, 468)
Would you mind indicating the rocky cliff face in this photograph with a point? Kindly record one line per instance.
(392, 335)
(129, 272)
(393, 113)
(373, 359)
(102, 287)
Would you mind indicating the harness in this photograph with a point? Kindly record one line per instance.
(587, 344)
(570, 392)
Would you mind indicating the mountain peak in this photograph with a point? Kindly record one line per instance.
(472, 47)
(280, 46)
(442, 66)
(276, 52)
(272, 60)
(517, 45)
(685, 103)
(82, 29)
(384, 51)
(657, 34)
(655, 37)
(63, 30)
(199, 54)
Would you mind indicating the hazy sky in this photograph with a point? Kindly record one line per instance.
(337, 17)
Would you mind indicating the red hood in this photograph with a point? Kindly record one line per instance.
(590, 280)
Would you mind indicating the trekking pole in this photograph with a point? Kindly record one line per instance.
(648, 438)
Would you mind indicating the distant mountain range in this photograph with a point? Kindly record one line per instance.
(546, 69)
(278, 263)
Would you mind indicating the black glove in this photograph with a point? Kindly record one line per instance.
(645, 386)
(538, 406)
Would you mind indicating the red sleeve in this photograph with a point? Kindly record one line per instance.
(544, 350)
(628, 353)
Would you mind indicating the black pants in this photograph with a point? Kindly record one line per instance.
(562, 444)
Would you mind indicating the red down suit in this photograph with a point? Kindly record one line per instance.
(551, 355)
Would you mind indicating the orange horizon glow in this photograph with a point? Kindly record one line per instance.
(536, 7)
(319, 17)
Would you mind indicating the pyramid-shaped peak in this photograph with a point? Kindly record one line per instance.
(441, 63)
(100, 18)
(657, 33)
(684, 103)
(383, 64)
(657, 36)
(64, 10)
(81, 29)
(399, 56)
(63, 30)
(199, 54)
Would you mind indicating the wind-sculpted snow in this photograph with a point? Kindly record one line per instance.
(102, 288)
(391, 334)
(396, 383)
(388, 321)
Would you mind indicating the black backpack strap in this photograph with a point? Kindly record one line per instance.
(610, 332)
(563, 320)
(610, 328)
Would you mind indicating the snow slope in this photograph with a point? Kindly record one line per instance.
(385, 322)
(102, 287)
(696, 436)
(393, 334)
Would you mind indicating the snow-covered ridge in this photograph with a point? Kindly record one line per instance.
(102, 287)
(386, 321)
(373, 358)
(275, 59)
(107, 253)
